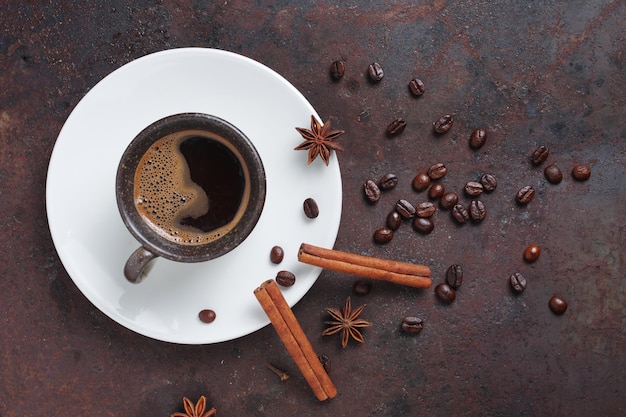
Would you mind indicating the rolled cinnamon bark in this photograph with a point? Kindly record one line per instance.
(297, 344)
(402, 273)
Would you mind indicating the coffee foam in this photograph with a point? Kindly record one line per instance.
(165, 194)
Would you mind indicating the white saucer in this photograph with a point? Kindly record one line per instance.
(92, 241)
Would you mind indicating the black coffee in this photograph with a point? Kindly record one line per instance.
(191, 187)
(217, 170)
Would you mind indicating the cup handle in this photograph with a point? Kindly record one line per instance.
(136, 268)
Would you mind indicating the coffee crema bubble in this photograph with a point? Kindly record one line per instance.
(191, 187)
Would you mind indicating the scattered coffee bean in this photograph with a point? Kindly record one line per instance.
(362, 287)
(437, 171)
(423, 225)
(531, 253)
(540, 155)
(477, 211)
(285, 278)
(412, 325)
(383, 235)
(477, 138)
(394, 220)
(581, 172)
(311, 210)
(489, 182)
(436, 191)
(454, 276)
(425, 209)
(406, 209)
(473, 188)
(388, 181)
(325, 361)
(553, 174)
(207, 316)
(417, 87)
(445, 292)
(448, 200)
(375, 71)
(276, 254)
(337, 69)
(421, 182)
(557, 304)
(443, 124)
(396, 127)
(525, 194)
(372, 192)
(460, 213)
(518, 282)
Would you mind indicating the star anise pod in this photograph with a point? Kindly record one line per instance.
(195, 410)
(347, 322)
(319, 140)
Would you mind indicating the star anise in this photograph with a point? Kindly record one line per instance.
(195, 410)
(347, 322)
(319, 140)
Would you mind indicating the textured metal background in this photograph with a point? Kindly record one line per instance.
(532, 73)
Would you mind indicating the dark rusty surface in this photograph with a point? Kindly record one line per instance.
(531, 73)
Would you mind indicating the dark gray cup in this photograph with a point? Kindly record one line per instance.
(190, 188)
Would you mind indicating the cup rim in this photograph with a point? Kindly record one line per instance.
(146, 236)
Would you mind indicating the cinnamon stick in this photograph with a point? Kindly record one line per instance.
(403, 273)
(297, 344)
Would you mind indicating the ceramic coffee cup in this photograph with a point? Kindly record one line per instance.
(190, 188)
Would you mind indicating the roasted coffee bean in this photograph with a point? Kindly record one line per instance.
(421, 182)
(425, 209)
(443, 124)
(388, 181)
(207, 316)
(375, 71)
(423, 225)
(477, 138)
(372, 192)
(396, 127)
(394, 220)
(412, 325)
(436, 191)
(417, 87)
(553, 174)
(276, 254)
(477, 211)
(311, 210)
(406, 209)
(285, 278)
(325, 361)
(531, 253)
(557, 304)
(445, 292)
(437, 171)
(460, 213)
(448, 200)
(489, 182)
(525, 194)
(473, 188)
(540, 155)
(581, 172)
(337, 69)
(383, 235)
(454, 276)
(361, 287)
(518, 282)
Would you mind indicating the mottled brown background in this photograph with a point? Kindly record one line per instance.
(531, 72)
